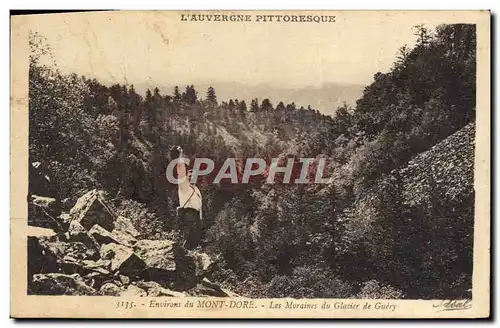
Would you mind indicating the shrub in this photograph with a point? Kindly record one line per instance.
(148, 224)
(309, 282)
(373, 290)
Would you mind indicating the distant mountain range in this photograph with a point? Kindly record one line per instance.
(326, 98)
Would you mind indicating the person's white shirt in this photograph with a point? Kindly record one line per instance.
(189, 194)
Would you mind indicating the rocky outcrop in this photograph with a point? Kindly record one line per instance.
(96, 252)
(158, 254)
(446, 170)
(134, 291)
(204, 264)
(60, 284)
(443, 173)
(91, 209)
(154, 289)
(167, 262)
(103, 236)
(110, 289)
(77, 233)
(122, 259)
(206, 288)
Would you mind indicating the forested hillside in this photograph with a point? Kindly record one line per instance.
(387, 226)
(325, 98)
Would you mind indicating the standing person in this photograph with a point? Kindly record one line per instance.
(190, 203)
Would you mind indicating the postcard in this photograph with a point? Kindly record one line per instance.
(250, 164)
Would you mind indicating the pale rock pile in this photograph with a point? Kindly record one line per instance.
(92, 251)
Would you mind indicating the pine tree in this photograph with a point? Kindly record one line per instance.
(211, 97)
(280, 106)
(291, 106)
(189, 96)
(149, 97)
(148, 105)
(177, 95)
(231, 106)
(135, 98)
(423, 34)
(242, 106)
(254, 105)
(168, 99)
(403, 53)
(266, 105)
(157, 94)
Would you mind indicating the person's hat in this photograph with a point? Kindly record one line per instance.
(175, 152)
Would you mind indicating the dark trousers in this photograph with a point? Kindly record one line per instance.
(190, 227)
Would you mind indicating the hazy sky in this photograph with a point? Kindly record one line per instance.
(156, 47)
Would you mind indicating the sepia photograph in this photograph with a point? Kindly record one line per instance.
(283, 164)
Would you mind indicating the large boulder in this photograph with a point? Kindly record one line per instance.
(125, 224)
(203, 262)
(101, 266)
(60, 284)
(151, 287)
(158, 254)
(47, 253)
(103, 236)
(91, 209)
(167, 263)
(110, 289)
(97, 279)
(207, 288)
(122, 259)
(230, 293)
(70, 265)
(167, 292)
(77, 233)
(154, 289)
(124, 280)
(58, 256)
(124, 238)
(76, 250)
(134, 291)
